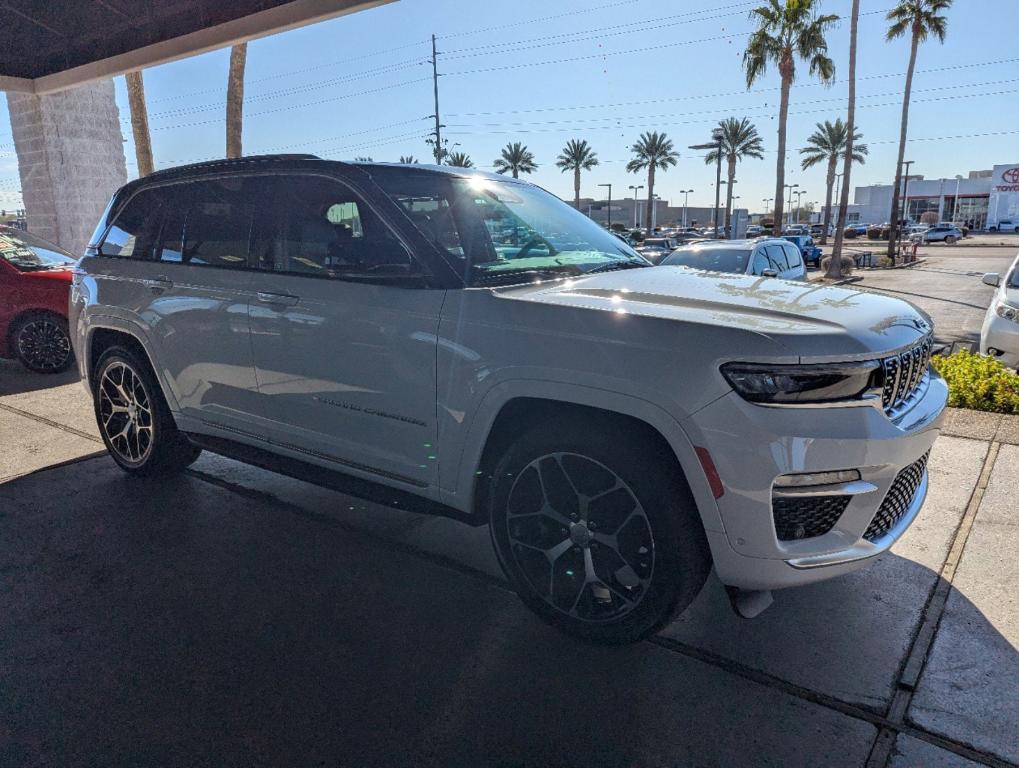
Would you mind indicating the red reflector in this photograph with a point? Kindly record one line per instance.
(710, 472)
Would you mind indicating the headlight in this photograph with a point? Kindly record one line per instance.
(802, 383)
(1007, 311)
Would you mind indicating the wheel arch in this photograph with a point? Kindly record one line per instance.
(104, 333)
(513, 406)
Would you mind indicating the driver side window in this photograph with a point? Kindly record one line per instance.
(322, 229)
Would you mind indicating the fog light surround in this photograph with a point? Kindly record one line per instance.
(807, 479)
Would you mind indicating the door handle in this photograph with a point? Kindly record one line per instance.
(283, 299)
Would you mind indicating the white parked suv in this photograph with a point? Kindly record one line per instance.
(999, 335)
(466, 344)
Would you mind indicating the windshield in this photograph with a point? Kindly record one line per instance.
(28, 253)
(523, 232)
(1013, 282)
(714, 259)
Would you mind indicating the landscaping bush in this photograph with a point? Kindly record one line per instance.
(847, 265)
(886, 261)
(979, 382)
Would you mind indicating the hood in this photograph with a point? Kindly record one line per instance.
(62, 275)
(811, 321)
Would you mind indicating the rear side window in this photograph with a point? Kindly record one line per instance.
(218, 225)
(136, 225)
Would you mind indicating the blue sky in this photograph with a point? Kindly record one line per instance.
(544, 72)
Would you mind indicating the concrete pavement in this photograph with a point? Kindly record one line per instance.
(236, 617)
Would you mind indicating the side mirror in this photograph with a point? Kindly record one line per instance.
(992, 279)
(769, 273)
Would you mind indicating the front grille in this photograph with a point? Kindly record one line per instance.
(806, 517)
(904, 373)
(898, 499)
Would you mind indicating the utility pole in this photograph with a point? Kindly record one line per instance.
(436, 139)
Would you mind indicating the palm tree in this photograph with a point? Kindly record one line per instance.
(515, 159)
(408, 159)
(828, 145)
(577, 156)
(920, 18)
(652, 151)
(139, 122)
(235, 99)
(835, 263)
(787, 30)
(739, 139)
(460, 160)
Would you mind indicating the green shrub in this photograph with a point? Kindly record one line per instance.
(979, 382)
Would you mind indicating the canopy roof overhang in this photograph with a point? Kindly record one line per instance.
(47, 46)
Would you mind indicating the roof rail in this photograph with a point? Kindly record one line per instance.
(229, 163)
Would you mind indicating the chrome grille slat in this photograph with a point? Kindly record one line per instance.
(904, 374)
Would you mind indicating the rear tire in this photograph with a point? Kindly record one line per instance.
(42, 343)
(134, 421)
(599, 536)
(951, 240)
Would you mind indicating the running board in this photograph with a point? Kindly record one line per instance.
(330, 478)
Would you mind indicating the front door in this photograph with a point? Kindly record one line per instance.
(344, 334)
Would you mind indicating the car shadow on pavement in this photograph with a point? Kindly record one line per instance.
(174, 622)
(16, 379)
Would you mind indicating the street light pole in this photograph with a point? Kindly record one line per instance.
(716, 144)
(609, 216)
(799, 196)
(635, 188)
(789, 215)
(686, 197)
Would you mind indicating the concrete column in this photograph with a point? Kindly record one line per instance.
(70, 157)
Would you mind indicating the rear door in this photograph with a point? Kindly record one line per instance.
(175, 261)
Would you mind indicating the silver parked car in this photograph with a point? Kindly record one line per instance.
(948, 234)
(766, 257)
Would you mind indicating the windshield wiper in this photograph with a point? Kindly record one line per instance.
(523, 274)
(612, 266)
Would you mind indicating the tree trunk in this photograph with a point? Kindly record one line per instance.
(576, 187)
(515, 172)
(235, 100)
(893, 233)
(783, 117)
(827, 200)
(728, 196)
(650, 196)
(835, 266)
(139, 122)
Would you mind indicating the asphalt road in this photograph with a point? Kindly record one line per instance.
(232, 617)
(947, 286)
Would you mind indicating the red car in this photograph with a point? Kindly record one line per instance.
(35, 279)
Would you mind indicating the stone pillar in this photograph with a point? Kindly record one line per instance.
(70, 157)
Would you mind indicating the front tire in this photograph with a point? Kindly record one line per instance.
(42, 343)
(599, 537)
(134, 421)
(951, 240)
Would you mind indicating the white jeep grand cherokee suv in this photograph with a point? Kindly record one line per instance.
(465, 344)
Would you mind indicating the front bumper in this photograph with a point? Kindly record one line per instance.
(752, 445)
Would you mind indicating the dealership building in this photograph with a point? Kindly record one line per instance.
(981, 199)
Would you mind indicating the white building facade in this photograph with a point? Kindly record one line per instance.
(979, 200)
